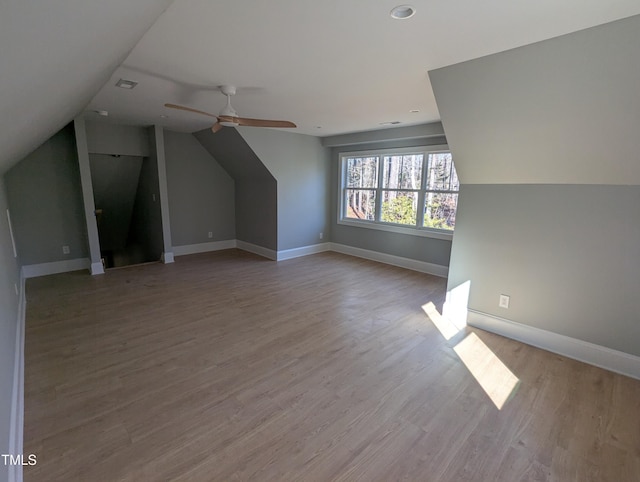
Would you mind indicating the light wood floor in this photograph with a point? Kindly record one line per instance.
(225, 366)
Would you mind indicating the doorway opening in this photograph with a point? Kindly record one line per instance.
(125, 193)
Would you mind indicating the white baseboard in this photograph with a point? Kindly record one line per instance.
(167, 257)
(422, 266)
(44, 269)
(255, 249)
(303, 251)
(203, 247)
(600, 356)
(34, 270)
(282, 255)
(16, 429)
(96, 268)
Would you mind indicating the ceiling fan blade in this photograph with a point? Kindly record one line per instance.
(188, 109)
(245, 121)
(216, 127)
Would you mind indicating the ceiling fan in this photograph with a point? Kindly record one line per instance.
(228, 117)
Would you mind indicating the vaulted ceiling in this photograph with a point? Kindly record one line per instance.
(331, 67)
(54, 58)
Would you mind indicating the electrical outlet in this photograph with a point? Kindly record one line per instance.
(321, 235)
(210, 234)
(504, 301)
(66, 250)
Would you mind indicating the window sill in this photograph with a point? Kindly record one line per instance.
(424, 233)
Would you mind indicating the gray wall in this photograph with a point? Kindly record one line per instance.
(201, 192)
(256, 211)
(301, 166)
(8, 323)
(546, 144)
(115, 183)
(430, 250)
(560, 111)
(568, 255)
(256, 205)
(46, 202)
(103, 138)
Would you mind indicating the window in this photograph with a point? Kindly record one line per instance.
(403, 188)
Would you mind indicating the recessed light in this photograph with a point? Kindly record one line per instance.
(389, 123)
(414, 111)
(126, 84)
(162, 116)
(402, 12)
(103, 113)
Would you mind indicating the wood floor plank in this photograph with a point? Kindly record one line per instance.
(226, 366)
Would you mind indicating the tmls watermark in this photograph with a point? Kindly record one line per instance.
(19, 459)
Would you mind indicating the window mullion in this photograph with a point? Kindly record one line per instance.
(343, 185)
(378, 208)
(423, 189)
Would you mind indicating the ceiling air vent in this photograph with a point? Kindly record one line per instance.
(126, 84)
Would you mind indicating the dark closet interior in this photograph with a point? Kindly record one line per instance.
(125, 192)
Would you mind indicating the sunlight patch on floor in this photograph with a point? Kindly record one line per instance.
(443, 324)
(491, 373)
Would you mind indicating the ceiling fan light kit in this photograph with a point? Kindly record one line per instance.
(228, 116)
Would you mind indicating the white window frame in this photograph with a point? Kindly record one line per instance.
(417, 230)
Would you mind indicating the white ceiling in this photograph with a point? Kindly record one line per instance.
(344, 65)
